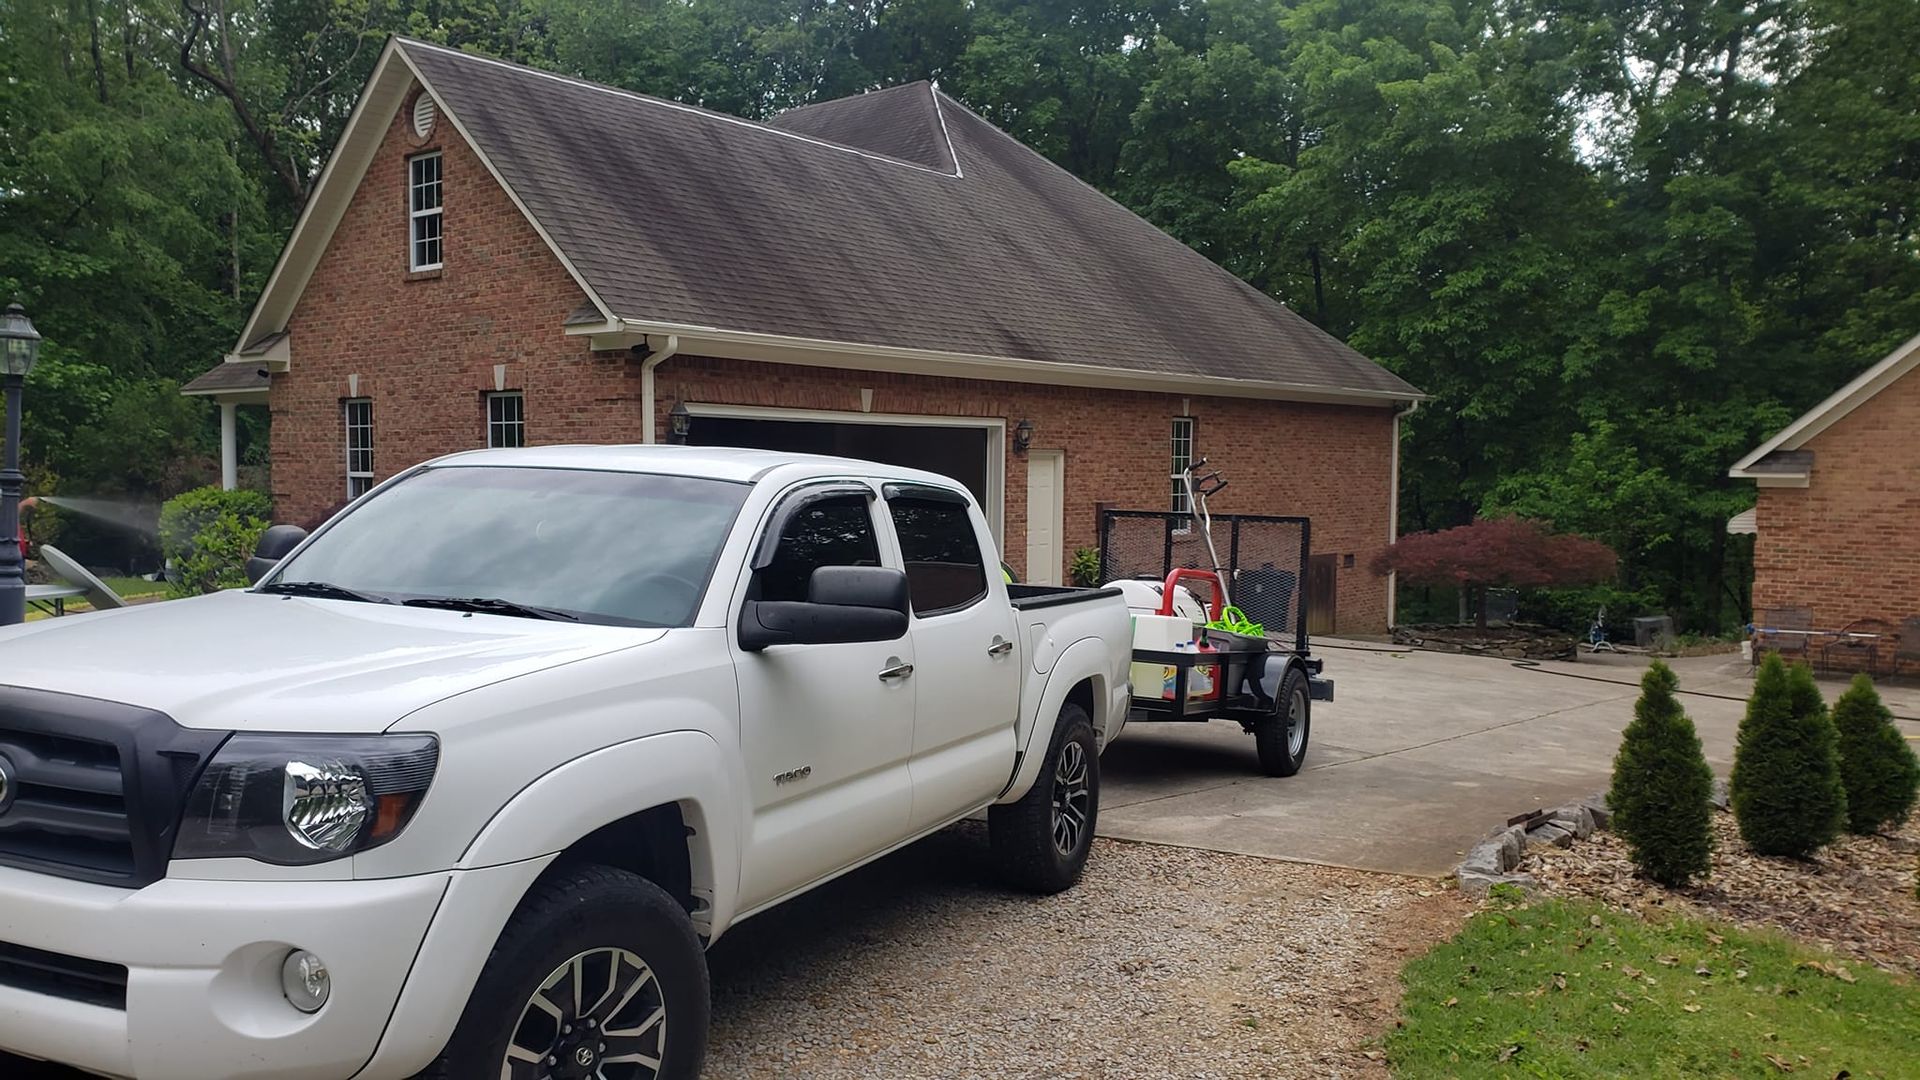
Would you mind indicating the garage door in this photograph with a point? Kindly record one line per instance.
(957, 452)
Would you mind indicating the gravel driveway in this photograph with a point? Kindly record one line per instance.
(1164, 962)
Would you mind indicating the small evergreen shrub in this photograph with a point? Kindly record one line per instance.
(1878, 768)
(206, 536)
(1662, 793)
(1786, 790)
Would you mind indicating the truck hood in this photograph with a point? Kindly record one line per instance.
(242, 660)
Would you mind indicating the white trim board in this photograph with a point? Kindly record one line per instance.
(1828, 413)
(995, 427)
(810, 352)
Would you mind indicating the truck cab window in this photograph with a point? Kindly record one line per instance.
(944, 568)
(835, 531)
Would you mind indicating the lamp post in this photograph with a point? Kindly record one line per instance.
(19, 348)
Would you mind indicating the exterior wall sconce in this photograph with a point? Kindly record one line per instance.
(1022, 436)
(679, 423)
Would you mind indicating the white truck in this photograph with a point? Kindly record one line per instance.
(465, 784)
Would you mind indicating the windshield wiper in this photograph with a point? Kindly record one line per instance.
(490, 605)
(325, 590)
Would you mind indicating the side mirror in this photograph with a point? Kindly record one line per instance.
(274, 545)
(844, 604)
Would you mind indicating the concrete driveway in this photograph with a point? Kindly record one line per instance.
(1420, 755)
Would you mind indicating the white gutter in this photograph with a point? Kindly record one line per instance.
(654, 359)
(1393, 512)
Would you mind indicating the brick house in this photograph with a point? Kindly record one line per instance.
(496, 255)
(1837, 524)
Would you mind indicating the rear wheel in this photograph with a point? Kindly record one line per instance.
(1281, 737)
(1040, 843)
(598, 975)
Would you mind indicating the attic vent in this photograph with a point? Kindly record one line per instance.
(424, 112)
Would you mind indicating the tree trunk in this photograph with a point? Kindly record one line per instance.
(93, 44)
(1480, 609)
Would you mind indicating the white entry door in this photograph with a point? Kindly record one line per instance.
(1046, 515)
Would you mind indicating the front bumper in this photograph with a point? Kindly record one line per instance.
(203, 958)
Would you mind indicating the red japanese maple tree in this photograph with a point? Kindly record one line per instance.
(1496, 552)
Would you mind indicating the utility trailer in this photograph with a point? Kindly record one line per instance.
(1266, 684)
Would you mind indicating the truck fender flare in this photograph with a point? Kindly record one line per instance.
(687, 768)
(1079, 662)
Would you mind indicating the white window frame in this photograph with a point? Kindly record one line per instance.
(496, 424)
(416, 214)
(359, 481)
(1179, 458)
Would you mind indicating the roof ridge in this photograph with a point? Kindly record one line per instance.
(678, 106)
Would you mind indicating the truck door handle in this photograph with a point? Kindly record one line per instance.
(897, 671)
(1000, 647)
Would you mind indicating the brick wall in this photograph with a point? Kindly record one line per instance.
(1848, 545)
(425, 345)
(424, 348)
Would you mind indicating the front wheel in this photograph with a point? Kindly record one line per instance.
(1040, 843)
(1281, 736)
(598, 975)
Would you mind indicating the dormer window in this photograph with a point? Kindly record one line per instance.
(423, 203)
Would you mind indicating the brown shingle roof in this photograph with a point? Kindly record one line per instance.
(902, 122)
(677, 215)
(226, 378)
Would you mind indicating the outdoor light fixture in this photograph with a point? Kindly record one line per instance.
(19, 342)
(1022, 436)
(679, 423)
(19, 348)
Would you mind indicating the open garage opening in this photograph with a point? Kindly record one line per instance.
(964, 451)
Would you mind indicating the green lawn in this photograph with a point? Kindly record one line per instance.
(1559, 989)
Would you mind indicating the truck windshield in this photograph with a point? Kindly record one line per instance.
(608, 547)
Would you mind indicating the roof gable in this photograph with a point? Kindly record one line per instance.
(1779, 457)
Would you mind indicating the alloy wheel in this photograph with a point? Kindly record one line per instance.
(1072, 798)
(599, 1016)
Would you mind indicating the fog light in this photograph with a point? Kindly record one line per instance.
(305, 980)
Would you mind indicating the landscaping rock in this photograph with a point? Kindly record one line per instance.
(1596, 806)
(1721, 798)
(1552, 834)
(1576, 819)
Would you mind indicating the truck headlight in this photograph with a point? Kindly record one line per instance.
(296, 799)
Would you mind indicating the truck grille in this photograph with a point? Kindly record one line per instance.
(92, 789)
(65, 803)
(90, 981)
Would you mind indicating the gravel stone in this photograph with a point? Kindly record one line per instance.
(1163, 962)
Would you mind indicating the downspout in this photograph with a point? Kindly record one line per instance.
(1393, 512)
(652, 359)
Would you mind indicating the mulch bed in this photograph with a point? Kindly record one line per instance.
(1856, 897)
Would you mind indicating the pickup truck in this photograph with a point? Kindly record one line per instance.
(465, 783)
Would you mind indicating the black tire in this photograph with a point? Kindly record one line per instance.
(1025, 836)
(1278, 753)
(599, 912)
